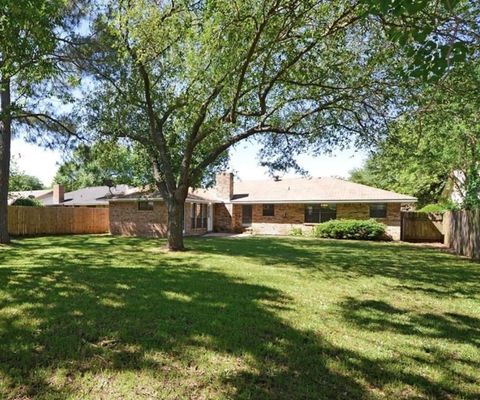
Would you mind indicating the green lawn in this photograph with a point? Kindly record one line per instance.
(99, 317)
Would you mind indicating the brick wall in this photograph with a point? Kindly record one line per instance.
(289, 216)
(127, 220)
(362, 211)
(222, 217)
(286, 217)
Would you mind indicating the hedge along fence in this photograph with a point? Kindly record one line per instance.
(462, 232)
(57, 220)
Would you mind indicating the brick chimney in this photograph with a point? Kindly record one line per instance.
(58, 194)
(224, 185)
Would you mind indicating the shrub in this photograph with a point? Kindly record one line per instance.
(296, 232)
(351, 229)
(439, 208)
(27, 202)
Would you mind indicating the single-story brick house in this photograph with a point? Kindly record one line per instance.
(260, 206)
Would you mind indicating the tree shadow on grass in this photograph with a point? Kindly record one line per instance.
(415, 268)
(374, 315)
(430, 329)
(92, 319)
(90, 307)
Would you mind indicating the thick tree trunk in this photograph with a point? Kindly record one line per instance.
(176, 212)
(5, 139)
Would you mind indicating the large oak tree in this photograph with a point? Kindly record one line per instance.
(188, 80)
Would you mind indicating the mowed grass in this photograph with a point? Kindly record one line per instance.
(100, 317)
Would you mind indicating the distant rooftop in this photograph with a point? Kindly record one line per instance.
(94, 195)
(89, 196)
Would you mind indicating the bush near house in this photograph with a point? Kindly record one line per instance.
(351, 229)
(27, 202)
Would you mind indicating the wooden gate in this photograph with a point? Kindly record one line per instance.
(421, 227)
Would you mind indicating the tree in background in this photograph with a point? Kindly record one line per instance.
(20, 181)
(434, 146)
(402, 173)
(104, 164)
(28, 43)
(27, 202)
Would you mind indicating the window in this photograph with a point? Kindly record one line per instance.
(378, 211)
(145, 205)
(199, 216)
(312, 214)
(316, 213)
(328, 212)
(268, 210)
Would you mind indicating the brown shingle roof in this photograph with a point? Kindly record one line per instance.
(312, 190)
(297, 190)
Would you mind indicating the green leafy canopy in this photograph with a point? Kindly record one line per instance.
(434, 150)
(104, 164)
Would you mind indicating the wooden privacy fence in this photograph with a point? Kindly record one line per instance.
(421, 227)
(462, 232)
(57, 220)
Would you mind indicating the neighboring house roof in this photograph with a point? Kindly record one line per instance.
(313, 190)
(32, 194)
(89, 196)
(296, 190)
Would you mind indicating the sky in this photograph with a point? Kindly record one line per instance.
(43, 163)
